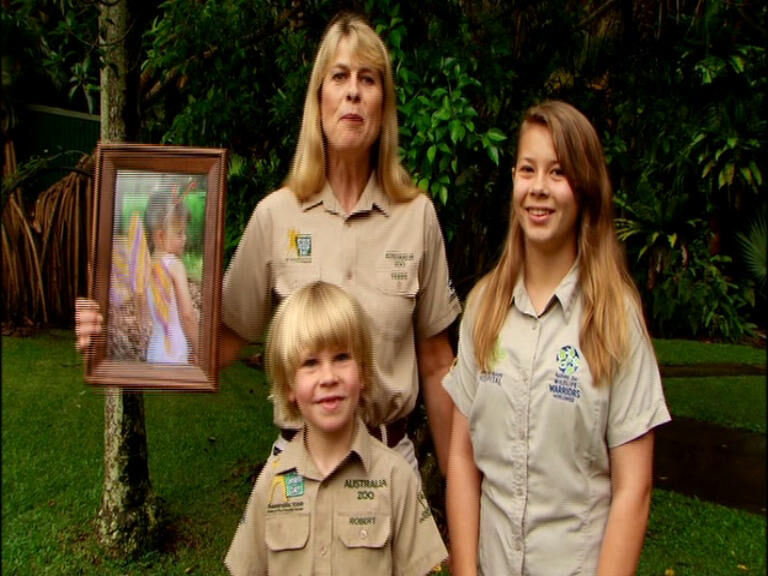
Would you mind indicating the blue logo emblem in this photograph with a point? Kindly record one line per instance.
(294, 485)
(304, 245)
(566, 383)
(567, 360)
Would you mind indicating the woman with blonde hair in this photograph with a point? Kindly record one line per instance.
(556, 386)
(349, 214)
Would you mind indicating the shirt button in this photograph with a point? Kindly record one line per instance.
(323, 550)
(363, 533)
(349, 274)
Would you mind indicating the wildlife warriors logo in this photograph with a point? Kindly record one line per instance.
(566, 382)
(567, 360)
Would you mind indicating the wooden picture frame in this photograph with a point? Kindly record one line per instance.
(146, 196)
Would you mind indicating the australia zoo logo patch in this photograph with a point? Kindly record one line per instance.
(299, 246)
(566, 385)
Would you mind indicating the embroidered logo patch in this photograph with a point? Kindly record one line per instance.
(294, 485)
(426, 511)
(452, 289)
(304, 245)
(299, 245)
(491, 377)
(499, 354)
(567, 360)
(566, 385)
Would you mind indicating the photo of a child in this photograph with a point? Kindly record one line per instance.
(175, 322)
(155, 281)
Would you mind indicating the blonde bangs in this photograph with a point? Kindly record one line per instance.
(319, 316)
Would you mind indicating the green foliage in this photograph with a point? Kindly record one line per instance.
(235, 78)
(439, 118)
(697, 298)
(685, 145)
(54, 42)
(677, 93)
(754, 247)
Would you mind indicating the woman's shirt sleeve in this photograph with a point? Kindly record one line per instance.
(246, 293)
(637, 402)
(438, 306)
(461, 380)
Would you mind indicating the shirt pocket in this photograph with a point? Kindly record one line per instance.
(286, 536)
(394, 304)
(494, 420)
(398, 280)
(290, 276)
(365, 540)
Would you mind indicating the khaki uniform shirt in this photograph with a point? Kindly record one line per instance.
(541, 434)
(389, 255)
(366, 517)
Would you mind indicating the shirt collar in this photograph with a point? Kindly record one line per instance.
(372, 196)
(296, 456)
(565, 293)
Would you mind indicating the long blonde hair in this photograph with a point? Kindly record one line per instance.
(308, 171)
(603, 275)
(316, 317)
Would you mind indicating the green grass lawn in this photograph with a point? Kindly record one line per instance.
(705, 397)
(203, 449)
(695, 538)
(693, 352)
(731, 401)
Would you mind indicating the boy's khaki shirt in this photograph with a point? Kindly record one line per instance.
(390, 256)
(367, 517)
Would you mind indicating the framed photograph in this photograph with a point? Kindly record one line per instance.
(156, 266)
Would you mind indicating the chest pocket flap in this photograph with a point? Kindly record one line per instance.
(363, 531)
(287, 532)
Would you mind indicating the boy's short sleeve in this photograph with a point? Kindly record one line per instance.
(417, 547)
(247, 555)
(637, 402)
(461, 380)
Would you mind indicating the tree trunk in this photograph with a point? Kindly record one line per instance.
(128, 518)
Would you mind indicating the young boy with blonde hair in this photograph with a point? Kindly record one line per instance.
(336, 500)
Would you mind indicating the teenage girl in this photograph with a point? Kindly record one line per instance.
(174, 319)
(556, 386)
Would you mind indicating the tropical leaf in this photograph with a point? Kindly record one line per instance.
(754, 249)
